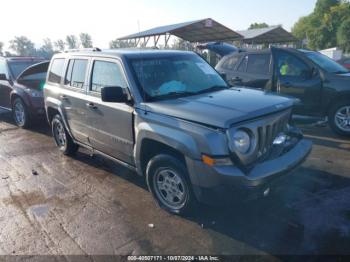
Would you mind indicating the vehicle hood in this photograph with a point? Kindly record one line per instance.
(222, 108)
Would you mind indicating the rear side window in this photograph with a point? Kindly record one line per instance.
(76, 72)
(243, 65)
(230, 63)
(106, 74)
(56, 71)
(259, 64)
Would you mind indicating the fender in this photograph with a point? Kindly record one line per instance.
(20, 93)
(339, 96)
(176, 139)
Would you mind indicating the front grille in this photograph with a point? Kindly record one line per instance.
(269, 131)
(264, 131)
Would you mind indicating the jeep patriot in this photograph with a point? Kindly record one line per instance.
(172, 118)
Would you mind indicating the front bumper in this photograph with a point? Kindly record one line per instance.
(219, 179)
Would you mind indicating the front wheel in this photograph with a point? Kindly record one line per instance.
(62, 138)
(20, 113)
(339, 118)
(168, 181)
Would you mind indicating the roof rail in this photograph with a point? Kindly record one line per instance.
(93, 49)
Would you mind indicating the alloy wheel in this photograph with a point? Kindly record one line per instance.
(342, 118)
(60, 134)
(20, 115)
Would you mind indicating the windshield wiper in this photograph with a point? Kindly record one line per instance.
(174, 94)
(213, 89)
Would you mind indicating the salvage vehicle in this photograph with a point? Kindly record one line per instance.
(321, 85)
(172, 118)
(21, 83)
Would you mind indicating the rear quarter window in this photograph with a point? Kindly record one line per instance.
(231, 62)
(56, 70)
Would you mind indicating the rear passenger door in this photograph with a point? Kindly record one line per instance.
(111, 124)
(254, 71)
(72, 95)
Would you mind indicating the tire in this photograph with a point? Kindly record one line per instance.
(167, 179)
(20, 113)
(340, 110)
(62, 138)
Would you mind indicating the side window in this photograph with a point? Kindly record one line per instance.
(243, 65)
(76, 73)
(106, 74)
(258, 64)
(3, 68)
(56, 70)
(290, 66)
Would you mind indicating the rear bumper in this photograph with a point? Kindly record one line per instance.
(213, 182)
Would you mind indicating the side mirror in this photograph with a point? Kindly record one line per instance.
(3, 77)
(113, 94)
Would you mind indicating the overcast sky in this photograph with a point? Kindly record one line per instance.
(105, 20)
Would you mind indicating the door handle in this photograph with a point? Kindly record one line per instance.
(64, 97)
(237, 79)
(91, 105)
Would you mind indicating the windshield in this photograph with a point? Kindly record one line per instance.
(326, 63)
(17, 67)
(175, 76)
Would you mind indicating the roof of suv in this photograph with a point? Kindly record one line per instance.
(129, 53)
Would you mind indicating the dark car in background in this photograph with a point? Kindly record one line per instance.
(21, 85)
(321, 85)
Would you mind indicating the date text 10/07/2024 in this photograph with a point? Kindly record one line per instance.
(173, 258)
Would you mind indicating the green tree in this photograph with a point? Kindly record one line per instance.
(85, 40)
(343, 35)
(46, 50)
(115, 44)
(258, 26)
(320, 28)
(323, 6)
(59, 45)
(22, 46)
(72, 42)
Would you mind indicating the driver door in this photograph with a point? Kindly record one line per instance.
(294, 77)
(110, 124)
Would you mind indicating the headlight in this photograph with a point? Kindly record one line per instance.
(33, 93)
(242, 141)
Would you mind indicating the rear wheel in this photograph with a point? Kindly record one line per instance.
(62, 138)
(339, 118)
(20, 113)
(168, 181)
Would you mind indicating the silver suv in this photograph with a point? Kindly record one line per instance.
(171, 117)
